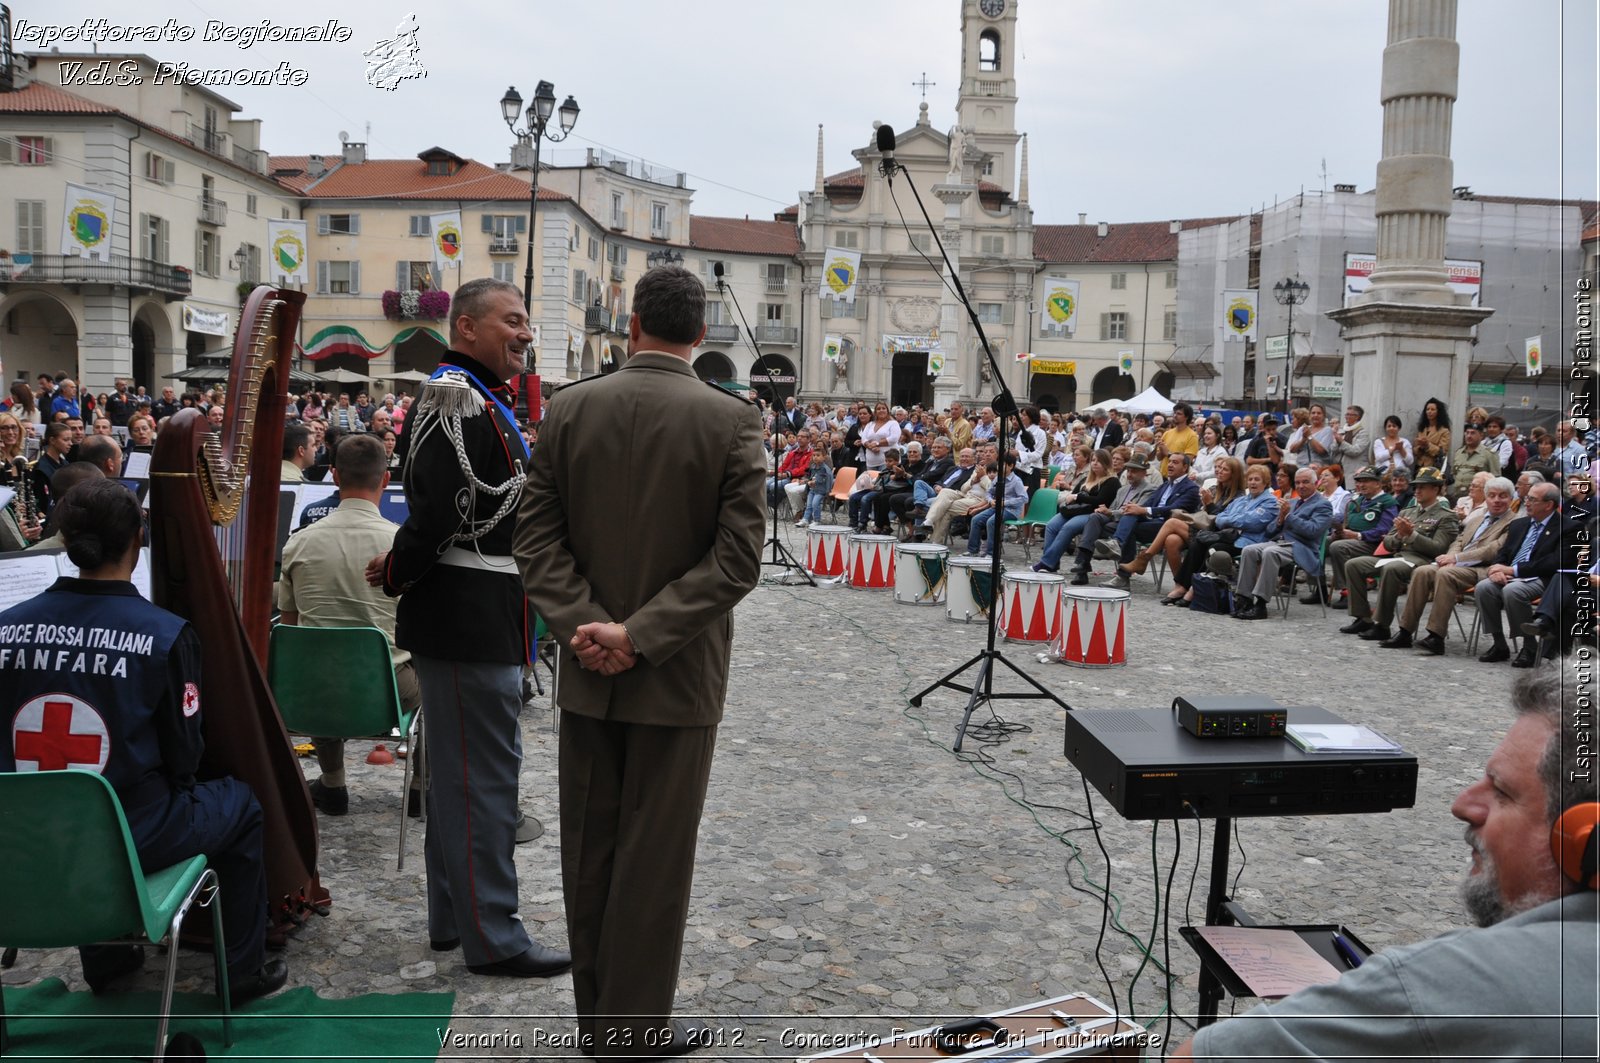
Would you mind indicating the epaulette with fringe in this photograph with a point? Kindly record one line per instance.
(451, 394)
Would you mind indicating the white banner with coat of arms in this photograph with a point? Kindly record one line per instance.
(1061, 304)
(86, 223)
(840, 268)
(1239, 314)
(446, 229)
(286, 242)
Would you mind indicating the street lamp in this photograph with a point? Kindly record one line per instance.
(538, 118)
(1290, 292)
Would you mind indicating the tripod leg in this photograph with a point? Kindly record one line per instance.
(978, 688)
(1033, 682)
(944, 680)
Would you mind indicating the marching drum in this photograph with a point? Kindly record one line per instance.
(969, 592)
(1030, 606)
(872, 562)
(919, 573)
(825, 549)
(1093, 627)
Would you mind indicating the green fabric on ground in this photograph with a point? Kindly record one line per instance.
(45, 1019)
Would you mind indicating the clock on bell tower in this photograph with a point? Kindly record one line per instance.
(987, 106)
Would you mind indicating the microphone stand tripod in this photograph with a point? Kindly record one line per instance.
(781, 557)
(1005, 405)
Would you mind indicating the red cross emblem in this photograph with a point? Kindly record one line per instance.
(56, 731)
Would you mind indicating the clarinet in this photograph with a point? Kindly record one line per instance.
(28, 506)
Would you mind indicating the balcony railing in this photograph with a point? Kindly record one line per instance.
(722, 333)
(503, 245)
(213, 211)
(209, 139)
(254, 161)
(618, 272)
(119, 271)
(619, 220)
(777, 334)
(599, 319)
(777, 285)
(661, 231)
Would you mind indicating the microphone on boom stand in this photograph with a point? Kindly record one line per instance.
(781, 557)
(1004, 405)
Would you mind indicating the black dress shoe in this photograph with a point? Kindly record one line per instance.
(1375, 633)
(1170, 601)
(1400, 641)
(1495, 654)
(268, 978)
(111, 962)
(1528, 656)
(1181, 603)
(444, 944)
(1538, 628)
(1431, 643)
(330, 800)
(1080, 578)
(1356, 626)
(537, 962)
(1257, 611)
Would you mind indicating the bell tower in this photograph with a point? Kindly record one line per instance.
(987, 106)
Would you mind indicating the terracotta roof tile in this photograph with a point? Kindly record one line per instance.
(401, 179)
(1140, 241)
(743, 236)
(40, 98)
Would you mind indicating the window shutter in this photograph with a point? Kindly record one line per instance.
(1008, 313)
(402, 276)
(49, 149)
(825, 308)
(355, 225)
(166, 241)
(200, 264)
(488, 222)
(322, 278)
(355, 278)
(1105, 326)
(580, 284)
(169, 171)
(142, 244)
(433, 275)
(5, 150)
(322, 225)
(522, 224)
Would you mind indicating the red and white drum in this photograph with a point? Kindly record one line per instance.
(872, 562)
(1030, 606)
(919, 573)
(969, 595)
(1093, 628)
(825, 552)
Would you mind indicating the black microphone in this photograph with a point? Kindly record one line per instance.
(886, 149)
(716, 267)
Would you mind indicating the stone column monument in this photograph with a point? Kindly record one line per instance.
(1409, 337)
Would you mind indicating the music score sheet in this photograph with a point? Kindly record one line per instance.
(1273, 963)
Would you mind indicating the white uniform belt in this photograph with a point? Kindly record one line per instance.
(504, 564)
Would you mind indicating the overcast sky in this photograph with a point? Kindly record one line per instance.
(1135, 109)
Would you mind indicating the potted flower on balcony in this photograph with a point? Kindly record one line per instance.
(411, 305)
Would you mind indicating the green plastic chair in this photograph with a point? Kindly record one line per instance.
(356, 699)
(1041, 508)
(1051, 473)
(1320, 574)
(71, 876)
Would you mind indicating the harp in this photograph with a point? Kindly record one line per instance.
(213, 529)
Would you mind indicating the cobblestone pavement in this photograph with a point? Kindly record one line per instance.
(855, 875)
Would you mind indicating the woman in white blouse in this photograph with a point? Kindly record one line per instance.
(1211, 448)
(1392, 448)
(879, 436)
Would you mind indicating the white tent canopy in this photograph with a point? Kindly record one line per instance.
(1147, 401)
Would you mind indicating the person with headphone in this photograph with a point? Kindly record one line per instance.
(1522, 985)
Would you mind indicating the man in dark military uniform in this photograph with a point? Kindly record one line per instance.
(1367, 519)
(645, 608)
(115, 688)
(463, 616)
(1421, 533)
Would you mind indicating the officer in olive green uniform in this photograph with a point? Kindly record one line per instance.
(1367, 519)
(1421, 533)
(1470, 459)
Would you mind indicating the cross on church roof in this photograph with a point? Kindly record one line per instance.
(924, 84)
